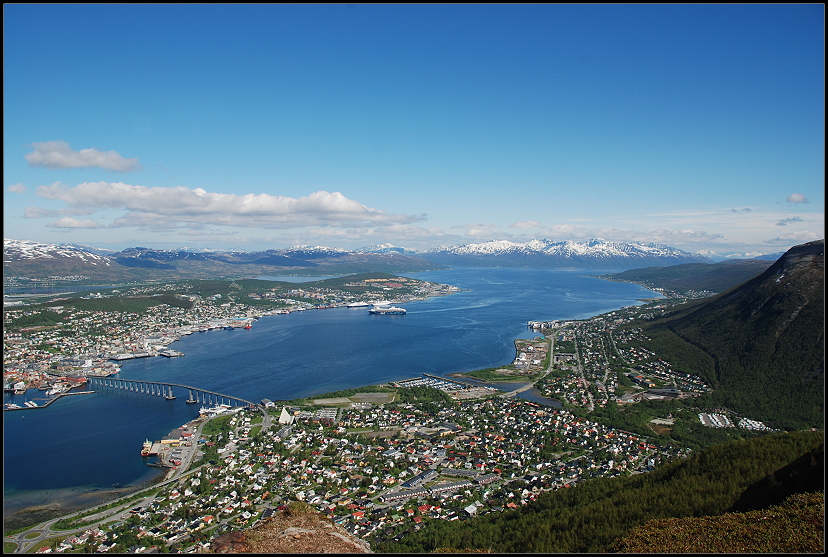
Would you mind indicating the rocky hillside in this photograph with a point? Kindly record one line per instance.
(297, 529)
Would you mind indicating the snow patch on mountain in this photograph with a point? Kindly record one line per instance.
(21, 250)
(594, 249)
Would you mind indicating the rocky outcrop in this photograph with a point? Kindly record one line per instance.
(298, 529)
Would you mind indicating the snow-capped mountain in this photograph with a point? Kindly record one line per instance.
(24, 250)
(33, 259)
(23, 257)
(385, 248)
(546, 253)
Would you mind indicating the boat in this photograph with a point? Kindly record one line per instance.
(215, 411)
(248, 326)
(359, 305)
(147, 448)
(383, 309)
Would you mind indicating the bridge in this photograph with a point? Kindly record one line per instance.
(165, 390)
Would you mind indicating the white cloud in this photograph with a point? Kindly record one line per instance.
(40, 212)
(794, 238)
(166, 208)
(526, 224)
(17, 188)
(785, 222)
(797, 198)
(69, 222)
(477, 231)
(59, 155)
(673, 237)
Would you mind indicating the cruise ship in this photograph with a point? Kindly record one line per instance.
(384, 308)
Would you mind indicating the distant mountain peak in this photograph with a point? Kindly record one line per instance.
(596, 252)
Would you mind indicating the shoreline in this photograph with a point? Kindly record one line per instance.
(68, 500)
(35, 506)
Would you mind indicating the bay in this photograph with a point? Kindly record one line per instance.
(90, 442)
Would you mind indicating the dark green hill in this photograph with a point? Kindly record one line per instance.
(592, 515)
(764, 341)
(715, 277)
(804, 475)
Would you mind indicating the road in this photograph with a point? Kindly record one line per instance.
(584, 382)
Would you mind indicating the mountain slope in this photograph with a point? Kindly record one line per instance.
(795, 526)
(766, 338)
(715, 277)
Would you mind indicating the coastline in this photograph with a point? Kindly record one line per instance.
(36, 506)
(65, 501)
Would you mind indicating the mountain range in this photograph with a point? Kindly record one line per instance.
(33, 259)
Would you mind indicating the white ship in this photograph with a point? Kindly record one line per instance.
(385, 308)
(358, 305)
(215, 411)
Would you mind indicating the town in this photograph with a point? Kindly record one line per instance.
(55, 346)
(380, 470)
(382, 461)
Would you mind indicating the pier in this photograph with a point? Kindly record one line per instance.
(165, 390)
(48, 402)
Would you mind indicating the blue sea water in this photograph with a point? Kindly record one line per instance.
(93, 441)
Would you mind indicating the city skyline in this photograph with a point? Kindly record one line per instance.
(262, 127)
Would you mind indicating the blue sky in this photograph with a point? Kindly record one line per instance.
(260, 127)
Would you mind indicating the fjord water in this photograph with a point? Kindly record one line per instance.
(89, 442)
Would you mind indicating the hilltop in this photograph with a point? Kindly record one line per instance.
(296, 529)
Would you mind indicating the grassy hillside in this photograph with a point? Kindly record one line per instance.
(795, 526)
